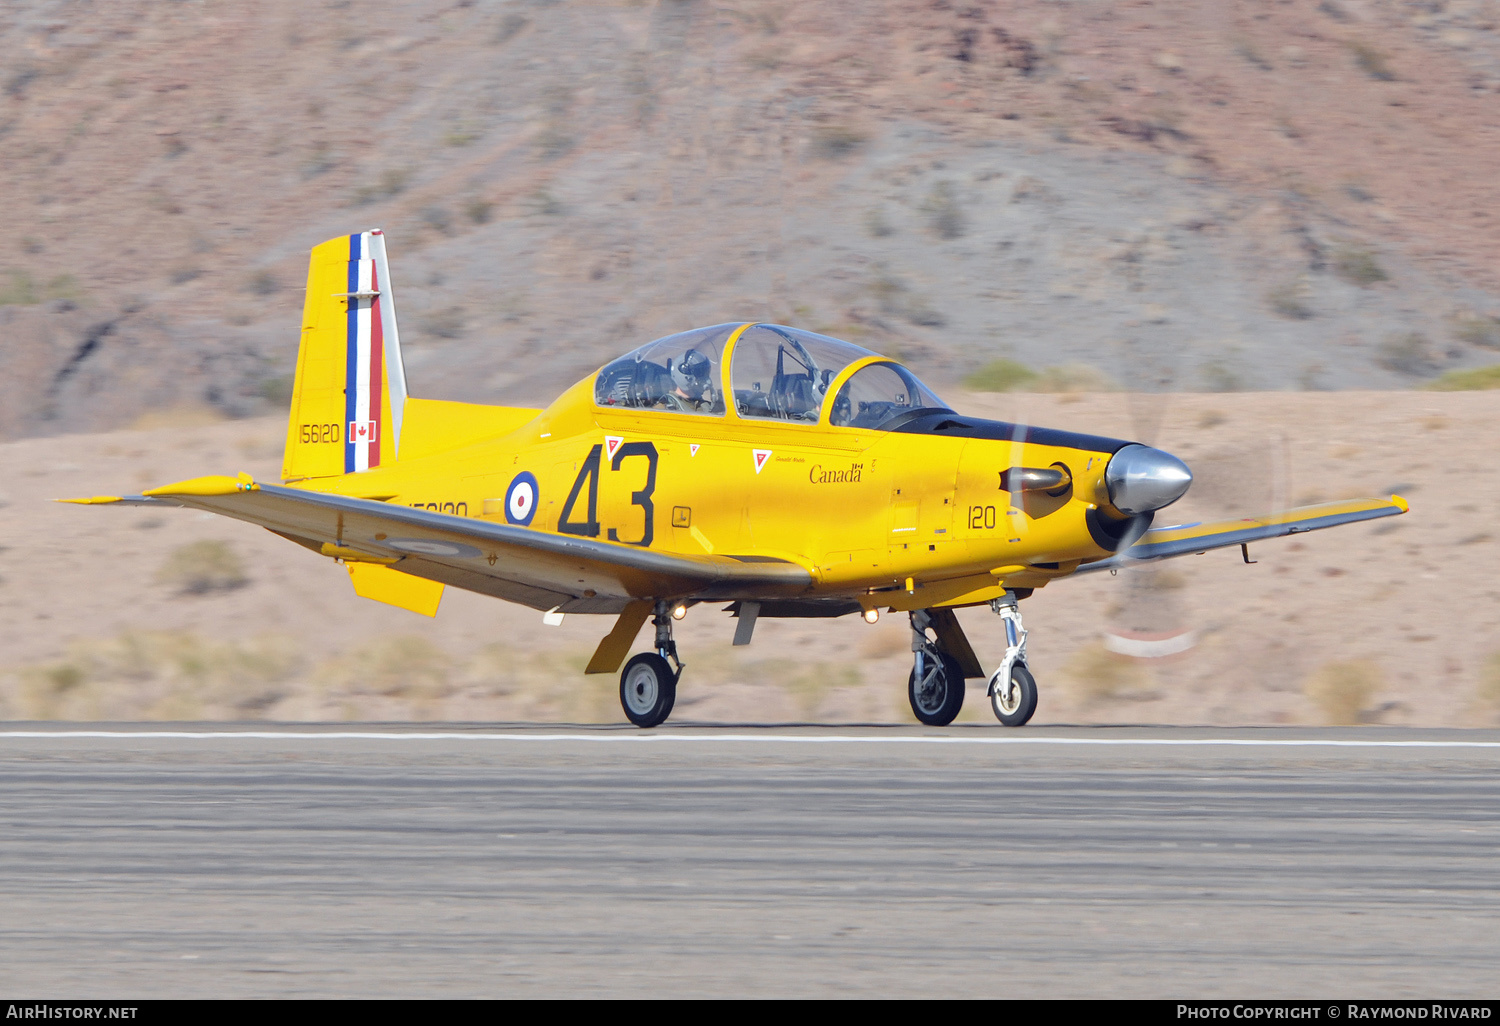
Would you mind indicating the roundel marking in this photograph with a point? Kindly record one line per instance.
(432, 547)
(520, 499)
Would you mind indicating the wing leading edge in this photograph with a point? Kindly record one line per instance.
(1189, 539)
(535, 568)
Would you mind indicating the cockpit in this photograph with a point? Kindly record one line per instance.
(776, 373)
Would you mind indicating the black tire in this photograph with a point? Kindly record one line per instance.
(648, 690)
(945, 697)
(1024, 697)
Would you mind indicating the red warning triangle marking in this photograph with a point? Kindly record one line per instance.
(761, 455)
(611, 443)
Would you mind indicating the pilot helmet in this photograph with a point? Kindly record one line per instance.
(693, 375)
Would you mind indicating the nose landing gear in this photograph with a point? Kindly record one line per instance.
(1012, 689)
(648, 684)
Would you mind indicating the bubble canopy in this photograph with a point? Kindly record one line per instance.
(776, 373)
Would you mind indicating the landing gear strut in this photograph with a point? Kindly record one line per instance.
(648, 684)
(1012, 689)
(936, 684)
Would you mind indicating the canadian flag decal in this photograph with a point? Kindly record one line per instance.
(692, 448)
(761, 455)
(362, 431)
(611, 443)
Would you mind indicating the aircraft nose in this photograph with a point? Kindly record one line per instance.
(1141, 479)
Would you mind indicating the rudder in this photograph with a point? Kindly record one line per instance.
(349, 397)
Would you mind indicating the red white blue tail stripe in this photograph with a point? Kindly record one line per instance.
(366, 359)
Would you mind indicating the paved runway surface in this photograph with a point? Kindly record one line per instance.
(749, 861)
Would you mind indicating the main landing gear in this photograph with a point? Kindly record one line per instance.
(648, 684)
(936, 684)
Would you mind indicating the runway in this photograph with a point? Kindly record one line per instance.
(505, 860)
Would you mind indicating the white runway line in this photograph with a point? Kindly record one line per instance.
(644, 738)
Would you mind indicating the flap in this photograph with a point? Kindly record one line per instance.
(395, 588)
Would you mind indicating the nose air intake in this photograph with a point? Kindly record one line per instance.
(1141, 479)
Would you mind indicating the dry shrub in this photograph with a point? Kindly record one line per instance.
(877, 224)
(808, 684)
(392, 182)
(203, 567)
(446, 322)
(1001, 376)
(1222, 376)
(186, 415)
(1372, 61)
(540, 685)
(885, 642)
(405, 666)
(1489, 681)
(897, 298)
(1290, 300)
(1343, 691)
(436, 217)
(944, 215)
(262, 283)
(479, 210)
(508, 28)
(21, 290)
(834, 141)
(158, 675)
(1073, 377)
(1478, 329)
(1406, 352)
(1358, 266)
(1467, 380)
(1096, 674)
(1013, 376)
(278, 390)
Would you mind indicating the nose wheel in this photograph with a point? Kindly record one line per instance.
(1015, 700)
(1012, 688)
(648, 684)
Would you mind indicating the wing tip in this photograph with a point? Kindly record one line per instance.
(213, 484)
(1400, 503)
(93, 500)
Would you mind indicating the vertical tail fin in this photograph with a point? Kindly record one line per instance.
(349, 397)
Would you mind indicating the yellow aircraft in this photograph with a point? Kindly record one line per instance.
(786, 473)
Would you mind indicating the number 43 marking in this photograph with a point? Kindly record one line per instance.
(589, 474)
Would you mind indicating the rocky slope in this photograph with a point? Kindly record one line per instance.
(1178, 195)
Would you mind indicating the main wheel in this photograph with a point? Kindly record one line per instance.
(1022, 702)
(937, 699)
(648, 690)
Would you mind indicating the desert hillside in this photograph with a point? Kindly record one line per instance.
(1163, 195)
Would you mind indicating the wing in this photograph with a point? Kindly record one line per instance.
(534, 568)
(1189, 539)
